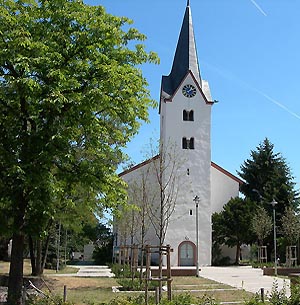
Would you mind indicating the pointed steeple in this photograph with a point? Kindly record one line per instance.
(185, 58)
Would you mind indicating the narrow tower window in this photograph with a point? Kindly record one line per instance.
(188, 143)
(191, 146)
(188, 115)
(188, 171)
(185, 115)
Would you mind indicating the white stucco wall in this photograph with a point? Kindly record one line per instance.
(88, 252)
(197, 161)
(197, 175)
(139, 175)
(223, 188)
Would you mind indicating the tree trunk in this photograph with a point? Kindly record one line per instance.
(237, 254)
(142, 253)
(45, 252)
(15, 281)
(32, 255)
(39, 248)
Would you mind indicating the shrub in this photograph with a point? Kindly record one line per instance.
(129, 284)
(123, 271)
(180, 299)
(295, 295)
(261, 265)
(53, 300)
(206, 300)
(188, 299)
(278, 297)
(254, 301)
(139, 300)
(135, 284)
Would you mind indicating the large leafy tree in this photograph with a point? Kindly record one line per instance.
(261, 224)
(74, 212)
(267, 176)
(232, 225)
(71, 96)
(290, 226)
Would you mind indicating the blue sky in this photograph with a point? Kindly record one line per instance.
(248, 51)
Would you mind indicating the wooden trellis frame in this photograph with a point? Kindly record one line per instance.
(128, 255)
(262, 254)
(161, 250)
(291, 256)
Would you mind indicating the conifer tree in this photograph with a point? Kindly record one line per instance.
(267, 176)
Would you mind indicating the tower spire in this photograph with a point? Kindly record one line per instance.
(185, 58)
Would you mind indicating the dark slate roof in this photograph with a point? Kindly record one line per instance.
(185, 56)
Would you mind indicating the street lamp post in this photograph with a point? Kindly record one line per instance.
(273, 203)
(197, 201)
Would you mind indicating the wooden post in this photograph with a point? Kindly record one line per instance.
(147, 249)
(160, 271)
(262, 294)
(23, 296)
(169, 273)
(128, 255)
(135, 257)
(124, 256)
(131, 260)
(120, 253)
(156, 295)
(65, 293)
(262, 254)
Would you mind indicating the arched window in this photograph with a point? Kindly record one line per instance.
(191, 115)
(184, 143)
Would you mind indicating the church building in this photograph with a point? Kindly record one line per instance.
(185, 121)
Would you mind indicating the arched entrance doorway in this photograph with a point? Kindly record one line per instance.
(187, 254)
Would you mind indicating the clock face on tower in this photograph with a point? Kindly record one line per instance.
(189, 90)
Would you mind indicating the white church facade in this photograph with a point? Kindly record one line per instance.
(185, 121)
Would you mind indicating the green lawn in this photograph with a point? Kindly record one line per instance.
(4, 268)
(84, 291)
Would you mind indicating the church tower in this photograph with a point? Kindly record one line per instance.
(185, 120)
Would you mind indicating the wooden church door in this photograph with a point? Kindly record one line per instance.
(187, 254)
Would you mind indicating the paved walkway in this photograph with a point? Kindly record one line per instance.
(88, 271)
(245, 277)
